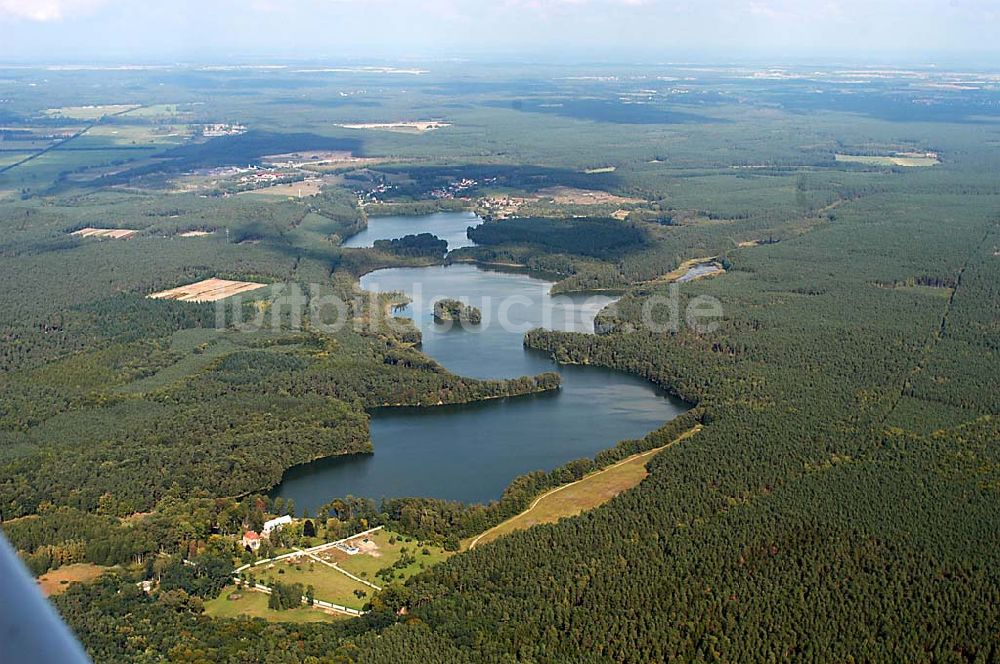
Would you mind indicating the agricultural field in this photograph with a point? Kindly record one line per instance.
(89, 112)
(207, 290)
(303, 188)
(102, 233)
(148, 135)
(905, 159)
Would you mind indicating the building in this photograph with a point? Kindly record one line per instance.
(251, 540)
(275, 523)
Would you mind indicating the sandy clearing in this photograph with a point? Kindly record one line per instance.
(312, 158)
(574, 196)
(419, 126)
(114, 233)
(904, 159)
(57, 581)
(209, 290)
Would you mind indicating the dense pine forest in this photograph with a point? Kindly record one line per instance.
(839, 502)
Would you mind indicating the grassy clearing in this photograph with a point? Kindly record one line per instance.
(158, 111)
(379, 553)
(572, 499)
(328, 583)
(300, 189)
(120, 134)
(89, 112)
(254, 605)
(57, 581)
(12, 157)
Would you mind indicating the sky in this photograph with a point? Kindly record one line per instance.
(915, 31)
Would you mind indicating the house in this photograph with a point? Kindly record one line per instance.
(251, 540)
(275, 523)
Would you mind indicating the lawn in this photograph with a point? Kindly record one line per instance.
(329, 584)
(383, 554)
(254, 605)
(571, 499)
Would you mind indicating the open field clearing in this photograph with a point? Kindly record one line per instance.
(696, 268)
(141, 134)
(11, 157)
(158, 111)
(209, 290)
(292, 189)
(574, 196)
(414, 127)
(315, 158)
(329, 584)
(233, 603)
(384, 549)
(571, 499)
(906, 159)
(57, 581)
(89, 112)
(101, 233)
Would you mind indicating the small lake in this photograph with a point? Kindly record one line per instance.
(472, 452)
(450, 226)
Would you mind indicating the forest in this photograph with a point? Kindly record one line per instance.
(838, 504)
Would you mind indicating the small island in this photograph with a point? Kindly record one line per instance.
(449, 309)
(423, 245)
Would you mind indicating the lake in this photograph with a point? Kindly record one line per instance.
(448, 226)
(472, 452)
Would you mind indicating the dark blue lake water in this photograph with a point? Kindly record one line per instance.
(472, 452)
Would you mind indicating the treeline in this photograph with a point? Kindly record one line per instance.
(595, 237)
(415, 208)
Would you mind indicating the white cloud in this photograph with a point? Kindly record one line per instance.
(47, 10)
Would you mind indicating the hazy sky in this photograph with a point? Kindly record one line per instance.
(916, 30)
